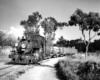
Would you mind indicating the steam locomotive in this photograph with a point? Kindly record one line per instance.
(29, 49)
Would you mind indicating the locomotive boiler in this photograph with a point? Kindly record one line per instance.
(28, 50)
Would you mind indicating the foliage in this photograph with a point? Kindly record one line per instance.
(31, 24)
(90, 21)
(89, 71)
(50, 24)
(1, 38)
(61, 42)
(32, 20)
(6, 41)
(66, 70)
(78, 70)
(80, 46)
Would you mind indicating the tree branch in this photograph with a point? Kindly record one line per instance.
(89, 35)
(93, 36)
(83, 36)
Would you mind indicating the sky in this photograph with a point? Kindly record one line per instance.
(12, 12)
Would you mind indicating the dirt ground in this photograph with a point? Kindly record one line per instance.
(44, 71)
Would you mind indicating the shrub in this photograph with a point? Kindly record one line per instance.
(89, 70)
(78, 70)
(66, 70)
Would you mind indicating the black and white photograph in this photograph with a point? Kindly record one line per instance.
(49, 39)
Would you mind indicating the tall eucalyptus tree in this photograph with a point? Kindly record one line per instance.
(50, 25)
(86, 22)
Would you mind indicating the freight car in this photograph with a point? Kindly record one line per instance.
(28, 50)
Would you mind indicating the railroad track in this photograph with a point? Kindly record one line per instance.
(5, 67)
(11, 68)
(7, 70)
(14, 69)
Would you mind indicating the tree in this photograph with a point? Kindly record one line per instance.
(31, 25)
(2, 34)
(50, 25)
(61, 42)
(6, 40)
(86, 22)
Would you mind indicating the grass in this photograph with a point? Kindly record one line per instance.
(79, 69)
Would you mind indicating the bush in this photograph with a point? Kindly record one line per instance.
(78, 70)
(89, 70)
(66, 70)
(4, 52)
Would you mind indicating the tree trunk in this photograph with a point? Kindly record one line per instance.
(59, 50)
(45, 45)
(63, 50)
(87, 47)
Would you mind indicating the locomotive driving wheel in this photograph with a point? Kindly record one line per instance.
(36, 57)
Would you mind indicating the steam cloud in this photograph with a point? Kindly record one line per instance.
(14, 33)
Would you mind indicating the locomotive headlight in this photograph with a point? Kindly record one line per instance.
(23, 45)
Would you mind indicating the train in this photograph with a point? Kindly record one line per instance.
(29, 49)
